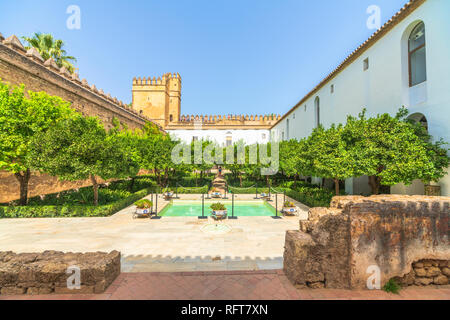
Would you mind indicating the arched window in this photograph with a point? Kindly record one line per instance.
(317, 110)
(417, 56)
(171, 118)
(229, 139)
(420, 118)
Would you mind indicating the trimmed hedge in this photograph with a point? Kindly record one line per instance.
(238, 190)
(65, 211)
(139, 183)
(191, 190)
(306, 193)
(312, 197)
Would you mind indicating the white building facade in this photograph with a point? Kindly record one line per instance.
(223, 137)
(406, 63)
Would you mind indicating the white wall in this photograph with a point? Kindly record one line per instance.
(384, 87)
(219, 136)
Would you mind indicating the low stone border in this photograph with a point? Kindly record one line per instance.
(50, 272)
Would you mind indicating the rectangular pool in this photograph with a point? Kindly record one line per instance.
(193, 208)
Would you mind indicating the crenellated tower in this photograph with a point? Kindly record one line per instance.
(159, 99)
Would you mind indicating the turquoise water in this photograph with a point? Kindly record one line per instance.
(241, 209)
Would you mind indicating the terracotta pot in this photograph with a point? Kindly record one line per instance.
(432, 190)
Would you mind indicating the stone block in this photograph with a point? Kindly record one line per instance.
(440, 280)
(46, 272)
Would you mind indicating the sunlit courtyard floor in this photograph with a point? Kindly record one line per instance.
(163, 245)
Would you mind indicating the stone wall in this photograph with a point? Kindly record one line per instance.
(335, 247)
(45, 273)
(427, 272)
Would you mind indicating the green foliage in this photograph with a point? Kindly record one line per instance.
(83, 196)
(392, 150)
(143, 204)
(312, 197)
(193, 190)
(289, 204)
(290, 157)
(154, 150)
(392, 286)
(191, 181)
(49, 47)
(68, 210)
(218, 206)
(251, 190)
(79, 148)
(329, 155)
(22, 118)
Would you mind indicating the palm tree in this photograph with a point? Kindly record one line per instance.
(48, 47)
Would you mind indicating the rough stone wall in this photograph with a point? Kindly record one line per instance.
(45, 273)
(335, 247)
(427, 272)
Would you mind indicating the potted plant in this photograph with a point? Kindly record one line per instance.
(168, 194)
(215, 193)
(289, 208)
(219, 211)
(143, 207)
(264, 195)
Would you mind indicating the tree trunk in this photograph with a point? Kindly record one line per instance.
(240, 179)
(374, 183)
(158, 177)
(166, 177)
(336, 186)
(95, 187)
(23, 179)
(130, 188)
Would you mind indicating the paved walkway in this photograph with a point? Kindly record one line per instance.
(238, 285)
(169, 244)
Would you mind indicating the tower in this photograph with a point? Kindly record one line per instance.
(159, 99)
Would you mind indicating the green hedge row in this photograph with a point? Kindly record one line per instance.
(311, 198)
(253, 190)
(191, 190)
(70, 211)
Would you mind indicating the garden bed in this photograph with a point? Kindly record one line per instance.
(308, 194)
(74, 204)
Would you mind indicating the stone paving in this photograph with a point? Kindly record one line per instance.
(165, 245)
(232, 285)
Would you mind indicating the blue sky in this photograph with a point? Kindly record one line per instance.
(235, 56)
